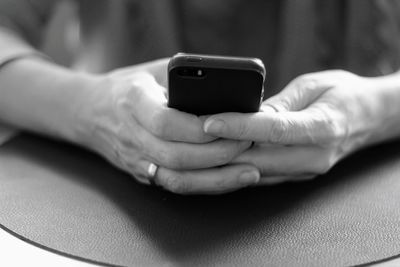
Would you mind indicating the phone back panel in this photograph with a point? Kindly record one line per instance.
(219, 90)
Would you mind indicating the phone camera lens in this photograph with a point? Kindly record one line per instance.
(200, 73)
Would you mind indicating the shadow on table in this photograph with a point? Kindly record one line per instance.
(183, 226)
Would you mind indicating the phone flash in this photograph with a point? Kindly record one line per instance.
(199, 73)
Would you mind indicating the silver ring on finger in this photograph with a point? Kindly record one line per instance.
(151, 172)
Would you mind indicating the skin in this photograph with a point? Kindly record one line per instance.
(132, 126)
(316, 121)
(123, 116)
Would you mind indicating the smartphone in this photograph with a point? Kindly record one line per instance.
(207, 84)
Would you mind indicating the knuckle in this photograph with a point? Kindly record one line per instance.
(321, 168)
(162, 157)
(171, 159)
(303, 77)
(176, 184)
(136, 169)
(334, 131)
(243, 130)
(304, 81)
(334, 128)
(340, 72)
(139, 177)
(282, 104)
(157, 124)
(278, 132)
(177, 161)
(223, 157)
(117, 158)
(324, 164)
(123, 134)
(228, 153)
(133, 90)
(305, 84)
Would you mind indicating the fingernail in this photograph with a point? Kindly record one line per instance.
(249, 178)
(214, 126)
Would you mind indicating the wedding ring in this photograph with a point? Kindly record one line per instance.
(152, 170)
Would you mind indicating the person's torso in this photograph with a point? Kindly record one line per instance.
(291, 37)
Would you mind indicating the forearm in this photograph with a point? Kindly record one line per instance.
(40, 96)
(34, 94)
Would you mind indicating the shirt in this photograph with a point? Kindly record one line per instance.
(292, 37)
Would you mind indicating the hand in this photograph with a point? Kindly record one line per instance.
(303, 131)
(128, 122)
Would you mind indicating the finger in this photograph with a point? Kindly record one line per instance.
(129, 161)
(299, 93)
(177, 155)
(310, 126)
(208, 181)
(279, 122)
(148, 104)
(288, 161)
(195, 156)
(140, 171)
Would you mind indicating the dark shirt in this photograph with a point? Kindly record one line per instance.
(292, 37)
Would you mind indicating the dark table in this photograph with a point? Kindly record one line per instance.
(72, 202)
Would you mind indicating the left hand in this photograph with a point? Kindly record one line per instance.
(125, 118)
(303, 131)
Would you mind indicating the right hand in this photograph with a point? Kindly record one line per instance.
(126, 120)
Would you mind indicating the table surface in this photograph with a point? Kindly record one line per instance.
(62, 197)
(15, 252)
(12, 248)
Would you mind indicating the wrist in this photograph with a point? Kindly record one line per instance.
(385, 92)
(81, 122)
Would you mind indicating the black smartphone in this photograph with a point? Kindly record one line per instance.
(206, 84)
